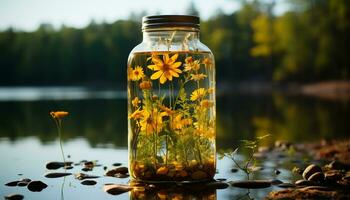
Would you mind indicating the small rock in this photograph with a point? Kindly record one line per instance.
(68, 156)
(120, 170)
(36, 186)
(221, 179)
(89, 164)
(234, 170)
(116, 164)
(118, 175)
(333, 175)
(85, 169)
(310, 170)
(162, 171)
(217, 185)
(22, 184)
(82, 176)
(286, 185)
(197, 175)
(12, 183)
(338, 165)
(105, 168)
(56, 165)
(14, 197)
(277, 171)
(252, 184)
(303, 182)
(275, 182)
(116, 189)
(25, 180)
(57, 174)
(68, 167)
(317, 177)
(88, 182)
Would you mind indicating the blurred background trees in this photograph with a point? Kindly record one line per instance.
(307, 43)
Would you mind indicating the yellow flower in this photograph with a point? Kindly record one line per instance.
(152, 122)
(192, 66)
(137, 73)
(206, 103)
(208, 63)
(178, 122)
(198, 77)
(166, 68)
(210, 90)
(138, 114)
(135, 102)
(145, 85)
(129, 71)
(189, 60)
(167, 110)
(198, 94)
(58, 114)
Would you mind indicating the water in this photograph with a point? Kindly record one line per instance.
(96, 129)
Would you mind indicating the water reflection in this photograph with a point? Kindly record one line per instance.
(103, 121)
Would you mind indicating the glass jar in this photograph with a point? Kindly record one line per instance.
(171, 102)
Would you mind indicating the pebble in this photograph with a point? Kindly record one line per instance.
(22, 184)
(57, 174)
(116, 189)
(12, 183)
(275, 182)
(89, 164)
(118, 175)
(234, 170)
(36, 186)
(197, 175)
(88, 182)
(338, 165)
(277, 171)
(105, 168)
(333, 175)
(162, 170)
(317, 177)
(310, 170)
(119, 170)
(217, 185)
(221, 179)
(25, 180)
(14, 197)
(56, 165)
(85, 169)
(286, 185)
(68, 167)
(303, 182)
(252, 184)
(82, 176)
(116, 164)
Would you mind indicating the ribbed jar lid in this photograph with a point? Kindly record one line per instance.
(163, 21)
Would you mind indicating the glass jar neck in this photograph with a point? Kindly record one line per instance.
(171, 35)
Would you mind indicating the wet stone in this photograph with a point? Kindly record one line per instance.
(234, 170)
(22, 184)
(12, 183)
(310, 170)
(57, 174)
(57, 165)
(14, 197)
(25, 180)
(317, 177)
(197, 175)
(86, 169)
(338, 165)
(303, 182)
(286, 185)
(116, 164)
(82, 176)
(115, 189)
(333, 175)
(217, 185)
(277, 171)
(68, 167)
(118, 175)
(275, 182)
(88, 182)
(119, 170)
(36, 186)
(221, 179)
(252, 184)
(105, 168)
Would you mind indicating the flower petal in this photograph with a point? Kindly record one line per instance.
(156, 75)
(157, 61)
(176, 65)
(166, 58)
(174, 57)
(162, 79)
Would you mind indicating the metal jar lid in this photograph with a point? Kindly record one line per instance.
(164, 21)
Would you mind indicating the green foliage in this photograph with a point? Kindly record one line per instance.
(247, 166)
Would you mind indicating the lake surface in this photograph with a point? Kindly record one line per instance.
(96, 129)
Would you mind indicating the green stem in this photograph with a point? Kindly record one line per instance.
(59, 127)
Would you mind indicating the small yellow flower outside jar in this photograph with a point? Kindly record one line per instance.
(171, 102)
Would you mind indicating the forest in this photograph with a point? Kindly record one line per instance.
(308, 43)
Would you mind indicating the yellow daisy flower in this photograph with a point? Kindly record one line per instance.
(145, 85)
(198, 94)
(195, 65)
(198, 77)
(166, 68)
(152, 122)
(138, 114)
(135, 102)
(206, 103)
(137, 73)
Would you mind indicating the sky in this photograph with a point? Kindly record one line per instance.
(27, 15)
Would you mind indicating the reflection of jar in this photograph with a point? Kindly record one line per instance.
(171, 102)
